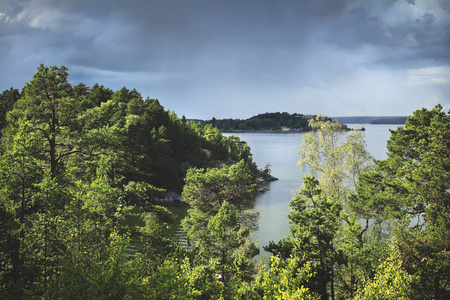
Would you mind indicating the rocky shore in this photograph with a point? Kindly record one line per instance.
(262, 182)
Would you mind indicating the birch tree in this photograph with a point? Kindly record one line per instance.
(335, 156)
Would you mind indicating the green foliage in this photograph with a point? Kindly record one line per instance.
(7, 100)
(411, 186)
(207, 190)
(337, 156)
(120, 275)
(48, 106)
(175, 279)
(419, 161)
(391, 281)
(227, 243)
(83, 276)
(283, 280)
(339, 233)
(283, 248)
(315, 223)
(215, 224)
(80, 169)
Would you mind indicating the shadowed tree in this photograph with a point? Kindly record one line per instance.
(216, 223)
(412, 186)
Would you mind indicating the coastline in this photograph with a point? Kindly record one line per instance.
(169, 198)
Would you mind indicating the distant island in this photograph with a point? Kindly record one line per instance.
(400, 120)
(290, 122)
(263, 122)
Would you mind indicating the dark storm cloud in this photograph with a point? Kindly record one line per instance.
(298, 56)
(157, 30)
(422, 35)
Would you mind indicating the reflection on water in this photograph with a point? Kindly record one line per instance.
(176, 232)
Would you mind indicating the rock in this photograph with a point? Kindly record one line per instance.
(263, 181)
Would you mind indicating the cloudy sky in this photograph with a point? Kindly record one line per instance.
(236, 59)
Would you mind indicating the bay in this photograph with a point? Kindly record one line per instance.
(281, 151)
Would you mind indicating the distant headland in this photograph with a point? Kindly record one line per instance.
(400, 120)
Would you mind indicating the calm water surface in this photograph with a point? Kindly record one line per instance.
(281, 151)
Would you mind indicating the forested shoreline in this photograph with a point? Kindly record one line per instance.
(262, 122)
(81, 168)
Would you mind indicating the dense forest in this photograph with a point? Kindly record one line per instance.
(81, 168)
(266, 121)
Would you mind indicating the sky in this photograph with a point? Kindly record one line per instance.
(237, 59)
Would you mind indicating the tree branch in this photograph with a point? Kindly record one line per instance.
(75, 151)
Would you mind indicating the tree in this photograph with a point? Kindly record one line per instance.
(99, 94)
(228, 246)
(20, 173)
(315, 222)
(391, 281)
(7, 100)
(337, 157)
(43, 198)
(207, 190)
(33, 203)
(326, 226)
(216, 222)
(239, 150)
(282, 280)
(78, 168)
(49, 107)
(412, 186)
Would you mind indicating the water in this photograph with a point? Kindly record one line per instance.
(281, 151)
